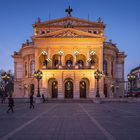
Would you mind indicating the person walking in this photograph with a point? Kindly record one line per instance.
(43, 98)
(31, 101)
(10, 104)
(3, 98)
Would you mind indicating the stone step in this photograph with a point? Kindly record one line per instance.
(69, 100)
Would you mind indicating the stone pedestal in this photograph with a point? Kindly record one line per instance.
(60, 67)
(92, 67)
(76, 66)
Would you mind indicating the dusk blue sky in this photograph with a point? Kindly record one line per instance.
(122, 18)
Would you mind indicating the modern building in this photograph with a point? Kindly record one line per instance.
(68, 51)
(136, 72)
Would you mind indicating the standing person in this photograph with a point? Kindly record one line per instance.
(43, 98)
(10, 104)
(31, 101)
(3, 98)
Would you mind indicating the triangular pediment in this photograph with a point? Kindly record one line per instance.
(69, 33)
(73, 21)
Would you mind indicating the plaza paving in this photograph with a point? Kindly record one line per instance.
(71, 121)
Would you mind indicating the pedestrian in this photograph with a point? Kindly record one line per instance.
(10, 104)
(3, 98)
(31, 101)
(43, 98)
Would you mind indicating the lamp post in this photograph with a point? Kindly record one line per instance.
(60, 53)
(98, 75)
(92, 53)
(5, 77)
(131, 78)
(38, 75)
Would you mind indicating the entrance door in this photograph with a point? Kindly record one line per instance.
(82, 89)
(54, 89)
(105, 90)
(68, 89)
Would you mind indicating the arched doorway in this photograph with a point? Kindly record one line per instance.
(68, 88)
(69, 61)
(105, 90)
(82, 89)
(52, 88)
(81, 61)
(55, 61)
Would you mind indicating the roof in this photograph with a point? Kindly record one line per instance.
(137, 68)
(74, 20)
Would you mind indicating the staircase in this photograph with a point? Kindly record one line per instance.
(69, 100)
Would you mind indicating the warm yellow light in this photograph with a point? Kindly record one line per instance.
(44, 53)
(92, 53)
(76, 53)
(48, 59)
(61, 53)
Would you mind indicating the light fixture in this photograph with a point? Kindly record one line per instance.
(44, 53)
(76, 53)
(92, 53)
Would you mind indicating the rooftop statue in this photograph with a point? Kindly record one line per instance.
(69, 10)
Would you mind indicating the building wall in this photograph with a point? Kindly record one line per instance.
(69, 40)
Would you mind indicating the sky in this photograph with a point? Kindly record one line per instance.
(122, 19)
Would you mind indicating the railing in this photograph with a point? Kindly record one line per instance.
(68, 68)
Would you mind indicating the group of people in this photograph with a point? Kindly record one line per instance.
(11, 102)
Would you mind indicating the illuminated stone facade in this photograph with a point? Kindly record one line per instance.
(68, 51)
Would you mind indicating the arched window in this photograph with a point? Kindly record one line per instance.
(26, 69)
(105, 67)
(32, 67)
(80, 63)
(55, 60)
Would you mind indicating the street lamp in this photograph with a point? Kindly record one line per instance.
(92, 53)
(5, 77)
(60, 53)
(38, 75)
(131, 78)
(98, 75)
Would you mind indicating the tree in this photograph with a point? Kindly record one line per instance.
(6, 83)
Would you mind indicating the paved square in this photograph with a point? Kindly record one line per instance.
(71, 121)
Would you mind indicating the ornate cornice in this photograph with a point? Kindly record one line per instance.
(69, 33)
